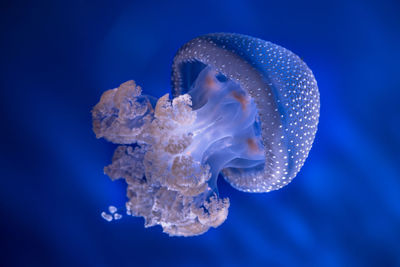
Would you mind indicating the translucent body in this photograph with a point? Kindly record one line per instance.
(255, 124)
(283, 88)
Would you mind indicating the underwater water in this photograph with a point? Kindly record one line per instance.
(343, 207)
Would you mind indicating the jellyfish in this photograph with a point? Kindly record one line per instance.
(241, 108)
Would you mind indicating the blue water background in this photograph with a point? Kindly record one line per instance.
(57, 57)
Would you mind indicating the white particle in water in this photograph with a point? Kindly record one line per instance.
(112, 209)
(117, 216)
(106, 216)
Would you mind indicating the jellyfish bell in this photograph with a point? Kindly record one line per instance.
(242, 106)
(285, 93)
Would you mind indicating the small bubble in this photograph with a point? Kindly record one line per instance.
(112, 209)
(106, 216)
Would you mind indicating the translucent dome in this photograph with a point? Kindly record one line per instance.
(283, 88)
